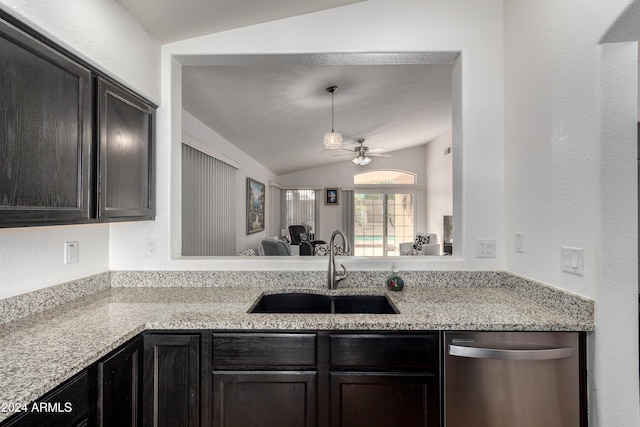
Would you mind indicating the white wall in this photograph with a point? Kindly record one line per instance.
(570, 176)
(340, 174)
(372, 26)
(439, 184)
(101, 33)
(564, 168)
(249, 167)
(33, 258)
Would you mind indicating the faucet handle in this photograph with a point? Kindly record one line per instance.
(342, 275)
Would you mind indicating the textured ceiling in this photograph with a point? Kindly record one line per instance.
(278, 113)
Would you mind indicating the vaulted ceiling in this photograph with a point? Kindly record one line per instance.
(278, 113)
(277, 110)
(172, 20)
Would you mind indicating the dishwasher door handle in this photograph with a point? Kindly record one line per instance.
(511, 354)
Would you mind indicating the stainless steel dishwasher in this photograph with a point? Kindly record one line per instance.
(513, 379)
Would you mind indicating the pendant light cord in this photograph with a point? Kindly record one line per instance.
(332, 109)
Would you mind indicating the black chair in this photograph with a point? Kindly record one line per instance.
(297, 234)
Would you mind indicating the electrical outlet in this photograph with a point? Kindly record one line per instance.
(520, 243)
(151, 247)
(485, 248)
(71, 252)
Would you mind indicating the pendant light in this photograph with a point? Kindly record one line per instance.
(332, 140)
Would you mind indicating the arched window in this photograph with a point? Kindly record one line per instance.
(385, 177)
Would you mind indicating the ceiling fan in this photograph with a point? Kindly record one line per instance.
(363, 153)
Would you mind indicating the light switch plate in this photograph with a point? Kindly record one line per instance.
(572, 260)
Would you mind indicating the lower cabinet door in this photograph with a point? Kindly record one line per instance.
(264, 398)
(119, 401)
(68, 405)
(171, 377)
(384, 399)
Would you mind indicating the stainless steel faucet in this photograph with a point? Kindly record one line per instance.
(333, 276)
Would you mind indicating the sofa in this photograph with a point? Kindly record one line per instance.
(423, 244)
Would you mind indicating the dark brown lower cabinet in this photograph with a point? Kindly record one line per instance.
(68, 405)
(384, 379)
(265, 379)
(264, 399)
(119, 387)
(323, 379)
(384, 400)
(254, 379)
(171, 389)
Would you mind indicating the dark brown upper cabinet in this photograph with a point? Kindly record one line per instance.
(45, 133)
(75, 146)
(125, 154)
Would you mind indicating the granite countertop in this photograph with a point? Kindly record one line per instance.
(40, 351)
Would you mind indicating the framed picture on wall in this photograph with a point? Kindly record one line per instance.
(331, 196)
(255, 206)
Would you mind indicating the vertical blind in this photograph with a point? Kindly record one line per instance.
(301, 207)
(208, 205)
(348, 217)
(275, 226)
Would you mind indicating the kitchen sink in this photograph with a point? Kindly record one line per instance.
(315, 303)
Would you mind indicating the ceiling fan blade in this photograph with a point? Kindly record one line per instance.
(376, 150)
(344, 154)
(378, 155)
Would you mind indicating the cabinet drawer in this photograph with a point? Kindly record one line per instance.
(384, 351)
(233, 351)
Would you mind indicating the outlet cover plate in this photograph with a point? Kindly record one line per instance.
(71, 252)
(485, 248)
(520, 242)
(151, 247)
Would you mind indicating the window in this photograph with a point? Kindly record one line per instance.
(301, 207)
(382, 221)
(384, 211)
(385, 177)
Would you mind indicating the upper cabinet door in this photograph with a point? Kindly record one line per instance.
(125, 157)
(45, 133)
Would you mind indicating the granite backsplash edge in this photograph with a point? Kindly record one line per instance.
(16, 307)
(23, 305)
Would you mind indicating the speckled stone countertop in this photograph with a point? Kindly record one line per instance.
(42, 350)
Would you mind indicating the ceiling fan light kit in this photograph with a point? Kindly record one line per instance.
(361, 160)
(332, 140)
